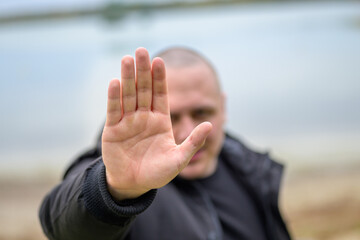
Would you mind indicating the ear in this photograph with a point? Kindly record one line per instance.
(223, 106)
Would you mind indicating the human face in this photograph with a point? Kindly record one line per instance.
(195, 97)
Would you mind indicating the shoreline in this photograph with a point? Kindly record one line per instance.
(317, 204)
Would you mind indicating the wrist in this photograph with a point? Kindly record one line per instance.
(122, 194)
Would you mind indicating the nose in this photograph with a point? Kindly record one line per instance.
(183, 128)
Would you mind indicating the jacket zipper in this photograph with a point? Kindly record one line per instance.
(217, 234)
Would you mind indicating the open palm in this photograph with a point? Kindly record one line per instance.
(138, 147)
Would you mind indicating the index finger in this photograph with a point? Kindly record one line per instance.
(160, 89)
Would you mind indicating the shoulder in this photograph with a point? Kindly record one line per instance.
(83, 160)
(246, 160)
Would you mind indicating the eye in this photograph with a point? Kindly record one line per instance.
(174, 118)
(202, 113)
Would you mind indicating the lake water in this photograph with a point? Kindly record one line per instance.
(290, 71)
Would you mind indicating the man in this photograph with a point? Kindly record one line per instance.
(169, 138)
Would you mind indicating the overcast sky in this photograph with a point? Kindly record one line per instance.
(20, 6)
(297, 84)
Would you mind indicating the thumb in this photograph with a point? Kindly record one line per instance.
(195, 140)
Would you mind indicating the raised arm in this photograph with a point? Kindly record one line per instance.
(139, 153)
(138, 147)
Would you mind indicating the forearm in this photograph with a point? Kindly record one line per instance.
(82, 208)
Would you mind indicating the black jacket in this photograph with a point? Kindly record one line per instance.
(82, 208)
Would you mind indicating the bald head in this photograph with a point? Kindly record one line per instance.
(194, 97)
(181, 57)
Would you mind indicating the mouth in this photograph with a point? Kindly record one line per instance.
(197, 155)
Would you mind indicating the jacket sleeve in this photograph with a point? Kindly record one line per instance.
(81, 207)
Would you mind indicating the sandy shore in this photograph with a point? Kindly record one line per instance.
(317, 205)
(323, 205)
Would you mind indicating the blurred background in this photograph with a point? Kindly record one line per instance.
(290, 69)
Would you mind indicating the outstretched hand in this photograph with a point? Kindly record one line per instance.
(138, 146)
